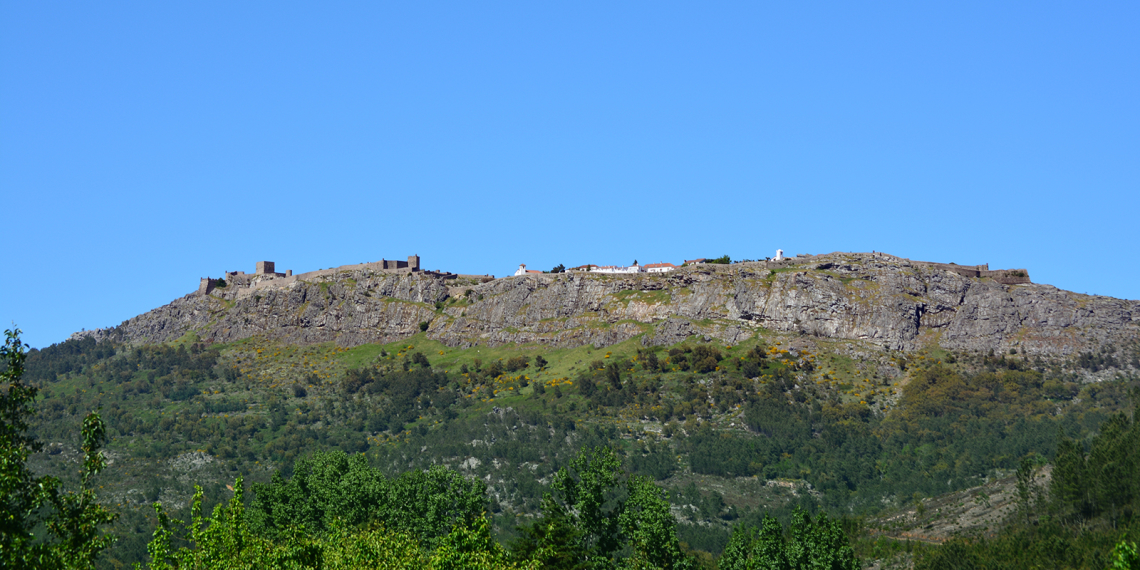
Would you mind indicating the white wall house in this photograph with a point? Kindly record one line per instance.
(635, 268)
(522, 270)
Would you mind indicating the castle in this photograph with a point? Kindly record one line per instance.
(265, 274)
(263, 269)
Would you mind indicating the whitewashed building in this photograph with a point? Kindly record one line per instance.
(635, 268)
(659, 267)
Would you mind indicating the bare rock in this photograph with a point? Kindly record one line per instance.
(889, 303)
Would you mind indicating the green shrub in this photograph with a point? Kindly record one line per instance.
(516, 363)
(494, 369)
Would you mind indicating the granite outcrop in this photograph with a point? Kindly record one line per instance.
(888, 302)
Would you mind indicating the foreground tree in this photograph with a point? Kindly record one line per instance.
(331, 488)
(590, 522)
(1104, 481)
(28, 503)
(819, 544)
(1125, 556)
(225, 540)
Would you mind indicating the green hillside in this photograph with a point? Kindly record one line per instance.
(728, 432)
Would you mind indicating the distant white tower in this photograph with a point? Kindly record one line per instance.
(521, 270)
(779, 255)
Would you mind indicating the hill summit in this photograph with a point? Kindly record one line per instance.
(869, 298)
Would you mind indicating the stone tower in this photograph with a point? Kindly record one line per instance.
(205, 285)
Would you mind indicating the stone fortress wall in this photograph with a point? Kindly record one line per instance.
(983, 271)
(1003, 276)
(860, 298)
(265, 275)
(264, 270)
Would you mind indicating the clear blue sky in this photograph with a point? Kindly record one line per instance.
(144, 145)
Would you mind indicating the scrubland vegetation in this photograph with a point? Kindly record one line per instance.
(695, 454)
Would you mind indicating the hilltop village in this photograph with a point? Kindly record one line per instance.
(661, 267)
(870, 298)
(265, 274)
(1004, 276)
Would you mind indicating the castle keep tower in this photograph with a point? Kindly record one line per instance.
(265, 274)
(206, 284)
(412, 264)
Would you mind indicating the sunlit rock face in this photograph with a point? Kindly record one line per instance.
(886, 302)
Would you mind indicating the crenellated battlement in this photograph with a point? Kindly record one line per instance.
(265, 275)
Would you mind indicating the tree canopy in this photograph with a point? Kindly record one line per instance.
(42, 525)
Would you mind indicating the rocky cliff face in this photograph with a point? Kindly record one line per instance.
(886, 302)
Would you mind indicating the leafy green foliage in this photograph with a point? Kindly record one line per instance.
(588, 522)
(331, 486)
(226, 540)
(948, 430)
(1048, 545)
(649, 528)
(392, 398)
(1094, 497)
(953, 555)
(819, 543)
(516, 363)
(657, 460)
(472, 547)
(1125, 556)
(65, 358)
(705, 358)
(753, 413)
(1106, 480)
(72, 520)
